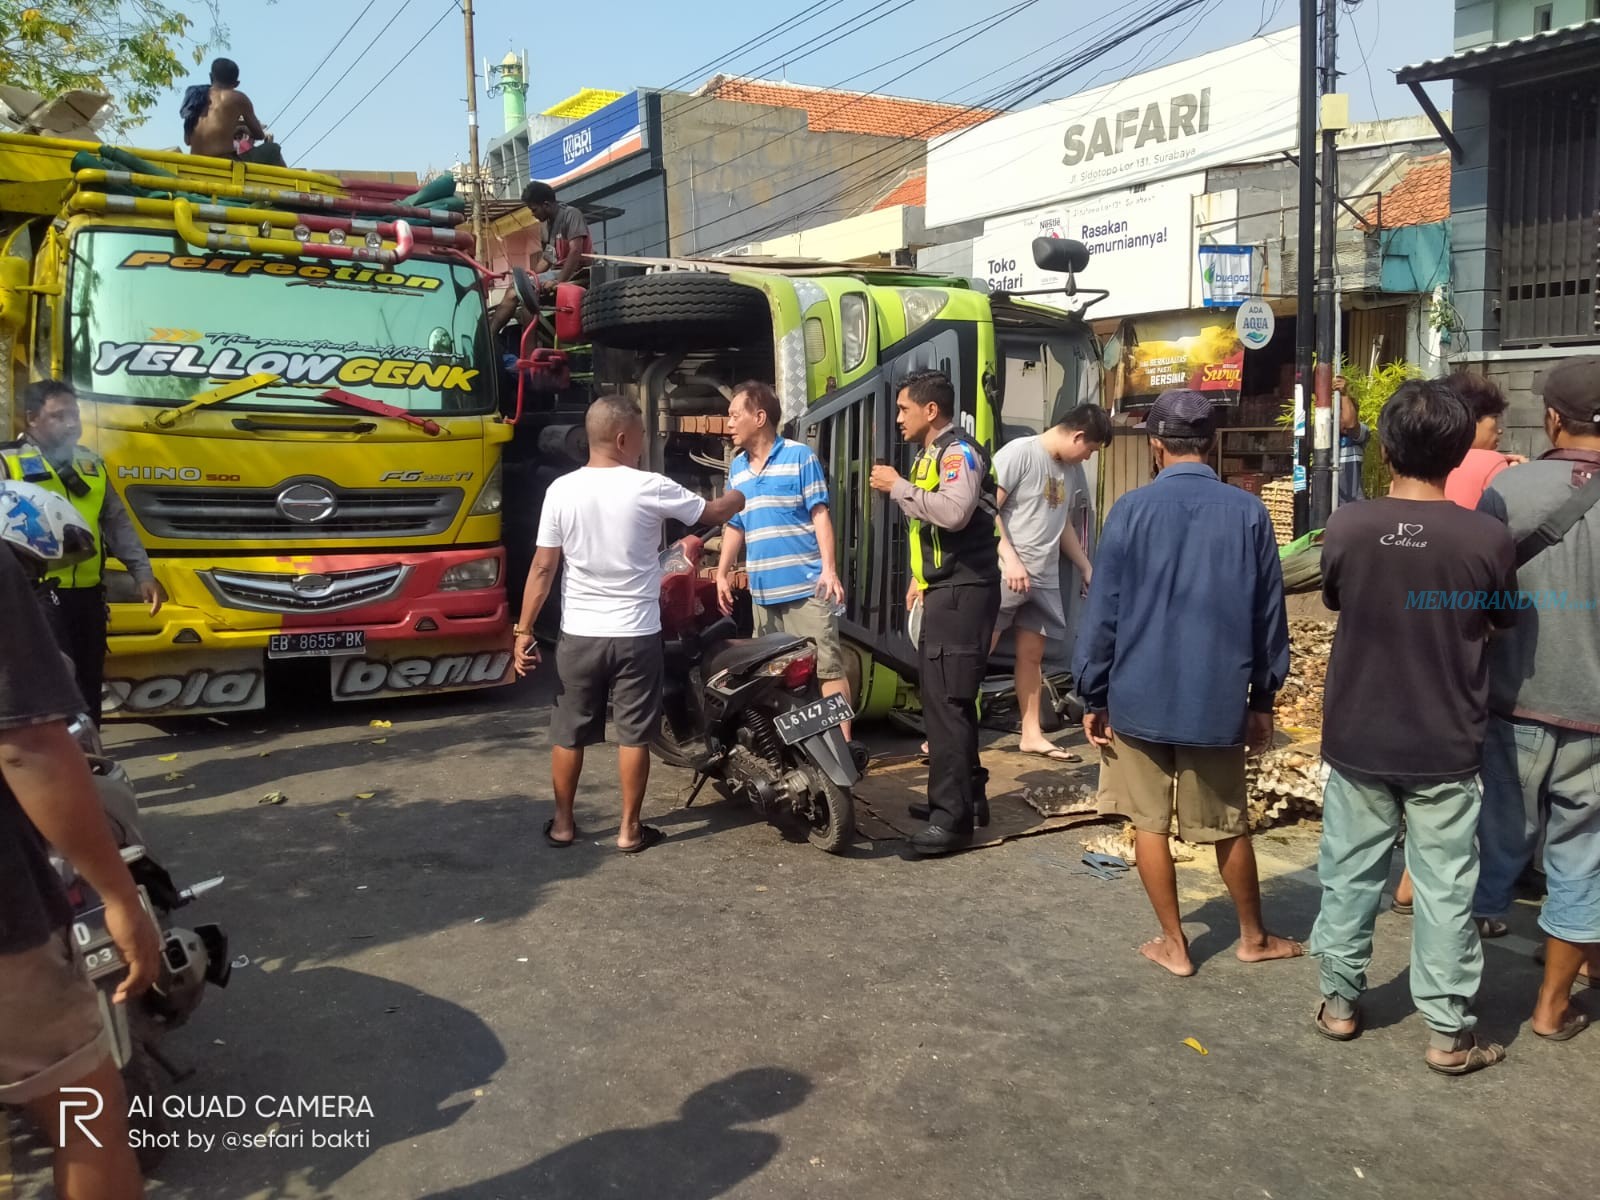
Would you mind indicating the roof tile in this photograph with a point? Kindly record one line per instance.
(830, 111)
(1420, 198)
(912, 192)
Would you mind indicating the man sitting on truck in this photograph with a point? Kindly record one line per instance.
(565, 235)
(226, 114)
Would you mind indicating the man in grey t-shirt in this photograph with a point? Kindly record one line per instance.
(1033, 475)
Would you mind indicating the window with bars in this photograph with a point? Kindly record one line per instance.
(1549, 143)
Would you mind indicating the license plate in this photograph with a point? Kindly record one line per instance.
(805, 722)
(93, 943)
(316, 645)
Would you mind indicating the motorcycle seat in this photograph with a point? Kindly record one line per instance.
(739, 654)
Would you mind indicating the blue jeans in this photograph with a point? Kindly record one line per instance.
(1538, 776)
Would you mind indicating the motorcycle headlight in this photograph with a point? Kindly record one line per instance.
(488, 501)
(469, 576)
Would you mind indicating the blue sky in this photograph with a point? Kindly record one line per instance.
(416, 118)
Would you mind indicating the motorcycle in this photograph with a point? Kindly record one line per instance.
(749, 713)
(190, 958)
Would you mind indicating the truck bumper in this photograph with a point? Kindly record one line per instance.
(206, 651)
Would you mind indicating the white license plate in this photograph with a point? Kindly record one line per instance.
(316, 645)
(811, 720)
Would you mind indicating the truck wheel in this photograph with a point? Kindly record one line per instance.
(675, 310)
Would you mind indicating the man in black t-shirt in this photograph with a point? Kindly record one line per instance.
(1419, 584)
(51, 1035)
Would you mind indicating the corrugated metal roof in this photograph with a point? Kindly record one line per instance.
(581, 104)
(1499, 53)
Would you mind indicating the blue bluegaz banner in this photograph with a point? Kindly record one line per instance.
(605, 136)
(1225, 275)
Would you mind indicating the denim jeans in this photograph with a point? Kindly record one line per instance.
(1541, 777)
(1360, 818)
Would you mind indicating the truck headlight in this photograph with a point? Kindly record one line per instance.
(470, 576)
(922, 305)
(488, 501)
(853, 329)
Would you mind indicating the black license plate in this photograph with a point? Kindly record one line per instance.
(316, 645)
(805, 722)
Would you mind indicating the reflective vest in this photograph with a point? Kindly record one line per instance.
(27, 462)
(970, 554)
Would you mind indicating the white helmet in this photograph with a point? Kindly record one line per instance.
(43, 527)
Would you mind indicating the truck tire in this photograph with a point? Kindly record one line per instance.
(674, 310)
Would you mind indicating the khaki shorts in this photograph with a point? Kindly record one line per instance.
(1146, 781)
(51, 1035)
(811, 618)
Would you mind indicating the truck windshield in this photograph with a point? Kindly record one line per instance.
(154, 322)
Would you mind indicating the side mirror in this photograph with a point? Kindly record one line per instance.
(13, 293)
(1061, 255)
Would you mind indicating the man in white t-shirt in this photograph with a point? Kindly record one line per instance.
(1033, 476)
(605, 521)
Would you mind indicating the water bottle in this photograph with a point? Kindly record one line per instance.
(837, 609)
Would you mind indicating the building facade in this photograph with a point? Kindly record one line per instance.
(1525, 194)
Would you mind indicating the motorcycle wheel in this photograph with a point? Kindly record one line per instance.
(835, 833)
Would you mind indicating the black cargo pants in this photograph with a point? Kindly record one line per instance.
(77, 617)
(957, 623)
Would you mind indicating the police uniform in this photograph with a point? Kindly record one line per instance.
(74, 597)
(955, 559)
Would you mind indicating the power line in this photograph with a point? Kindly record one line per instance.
(363, 53)
(1021, 90)
(307, 82)
(989, 24)
(397, 64)
(777, 30)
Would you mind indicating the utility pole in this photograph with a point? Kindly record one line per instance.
(1304, 327)
(1322, 453)
(479, 232)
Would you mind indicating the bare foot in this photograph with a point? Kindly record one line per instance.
(1268, 947)
(1174, 956)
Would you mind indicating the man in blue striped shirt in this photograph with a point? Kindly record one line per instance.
(785, 532)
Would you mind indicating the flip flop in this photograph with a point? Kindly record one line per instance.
(1491, 927)
(1572, 1025)
(1405, 910)
(649, 836)
(1478, 1057)
(1054, 754)
(1331, 1034)
(558, 843)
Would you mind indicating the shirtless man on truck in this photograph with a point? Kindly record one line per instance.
(226, 111)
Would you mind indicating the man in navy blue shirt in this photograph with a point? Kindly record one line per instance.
(1183, 649)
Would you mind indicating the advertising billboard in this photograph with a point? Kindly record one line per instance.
(605, 136)
(1224, 107)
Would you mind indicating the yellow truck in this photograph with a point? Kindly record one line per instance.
(294, 388)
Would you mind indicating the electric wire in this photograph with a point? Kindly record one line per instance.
(317, 104)
(284, 111)
(395, 66)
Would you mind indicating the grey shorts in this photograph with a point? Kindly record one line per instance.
(51, 1035)
(591, 670)
(811, 617)
(1037, 610)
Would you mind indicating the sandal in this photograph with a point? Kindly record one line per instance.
(1332, 1034)
(1491, 927)
(1572, 1024)
(559, 843)
(649, 836)
(1479, 1056)
(1404, 910)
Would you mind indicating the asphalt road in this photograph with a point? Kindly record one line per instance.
(735, 1014)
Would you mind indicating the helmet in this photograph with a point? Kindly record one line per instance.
(43, 527)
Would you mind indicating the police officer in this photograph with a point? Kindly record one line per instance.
(74, 597)
(956, 568)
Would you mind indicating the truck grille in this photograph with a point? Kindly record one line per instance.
(242, 514)
(314, 593)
